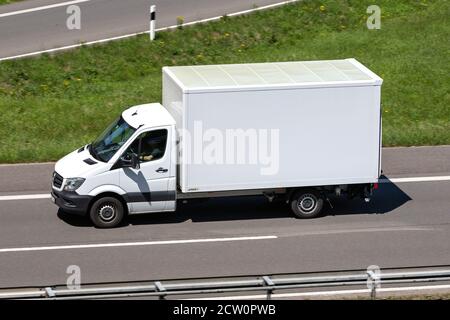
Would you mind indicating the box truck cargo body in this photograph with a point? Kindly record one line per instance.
(299, 131)
(325, 115)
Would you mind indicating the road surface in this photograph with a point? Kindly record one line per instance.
(28, 31)
(406, 224)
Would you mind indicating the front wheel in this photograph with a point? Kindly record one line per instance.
(307, 203)
(106, 212)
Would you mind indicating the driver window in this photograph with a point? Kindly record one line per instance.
(153, 145)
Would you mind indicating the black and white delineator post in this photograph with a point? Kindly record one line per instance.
(152, 22)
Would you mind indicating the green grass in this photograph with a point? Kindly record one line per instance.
(52, 104)
(8, 1)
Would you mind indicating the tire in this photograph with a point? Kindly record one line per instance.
(307, 203)
(106, 212)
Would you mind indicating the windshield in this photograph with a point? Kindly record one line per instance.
(107, 144)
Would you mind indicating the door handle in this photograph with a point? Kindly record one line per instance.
(161, 170)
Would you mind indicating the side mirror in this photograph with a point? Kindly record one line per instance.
(130, 163)
(135, 161)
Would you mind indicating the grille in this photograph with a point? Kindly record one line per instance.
(57, 180)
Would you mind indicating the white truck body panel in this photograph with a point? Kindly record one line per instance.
(327, 115)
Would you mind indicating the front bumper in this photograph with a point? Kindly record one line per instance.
(71, 201)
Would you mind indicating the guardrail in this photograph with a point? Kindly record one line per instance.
(267, 284)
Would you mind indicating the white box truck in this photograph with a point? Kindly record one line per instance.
(297, 131)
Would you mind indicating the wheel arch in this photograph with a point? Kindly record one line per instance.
(291, 191)
(109, 194)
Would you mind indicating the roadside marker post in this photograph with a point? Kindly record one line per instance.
(152, 22)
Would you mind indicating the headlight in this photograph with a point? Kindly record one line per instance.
(73, 184)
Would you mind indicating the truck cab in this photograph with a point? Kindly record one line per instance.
(129, 168)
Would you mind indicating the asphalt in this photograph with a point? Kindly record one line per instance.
(405, 225)
(100, 19)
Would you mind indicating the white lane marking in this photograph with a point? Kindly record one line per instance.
(26, 164)
(25, 197)
(51, 6)
(147, 31)
(415, 179)
(329, 293)
(134, 244)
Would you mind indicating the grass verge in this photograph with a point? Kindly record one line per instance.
(52, 104)
(8, 1)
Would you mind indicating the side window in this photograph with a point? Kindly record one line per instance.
(153, 145)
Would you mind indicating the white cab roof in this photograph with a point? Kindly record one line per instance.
(324, 73)
(148, 115)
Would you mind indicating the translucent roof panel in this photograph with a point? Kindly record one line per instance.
(273, 73)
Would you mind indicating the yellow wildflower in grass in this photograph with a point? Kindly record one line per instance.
(322, 8)
(180, 20)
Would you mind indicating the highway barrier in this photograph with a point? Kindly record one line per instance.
(369, 279)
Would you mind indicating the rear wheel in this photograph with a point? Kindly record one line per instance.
(106, 212)
(307, 203)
